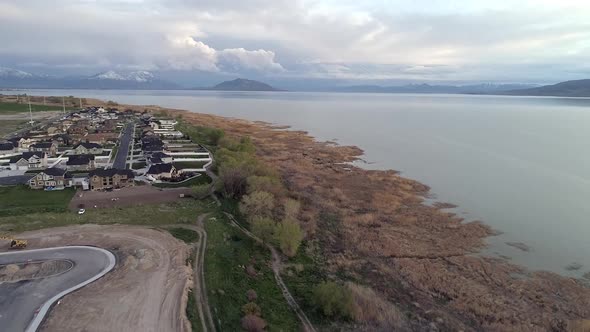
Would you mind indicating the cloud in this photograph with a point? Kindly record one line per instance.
(428, 40)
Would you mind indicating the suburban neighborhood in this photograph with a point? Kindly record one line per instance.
(101, 149)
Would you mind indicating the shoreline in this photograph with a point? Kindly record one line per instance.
(374, 226)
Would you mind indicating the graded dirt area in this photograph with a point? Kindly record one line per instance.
(131, 196)
(144, 292)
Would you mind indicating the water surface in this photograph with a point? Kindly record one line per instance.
(520, 164)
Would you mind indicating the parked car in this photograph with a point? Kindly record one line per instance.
(81, 211)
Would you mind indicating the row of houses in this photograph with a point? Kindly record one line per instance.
(98, 179)
(81, 157)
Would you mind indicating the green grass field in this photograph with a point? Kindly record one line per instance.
(20, 200)
(228, 251)
(9, 126)
(24, 107)
(186, 235)
(189, 164)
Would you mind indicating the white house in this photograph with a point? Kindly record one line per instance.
(29, 160)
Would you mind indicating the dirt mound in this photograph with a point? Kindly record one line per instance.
(34, 270)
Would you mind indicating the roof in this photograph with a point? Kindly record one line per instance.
(27, 156)
(88, 145)
(160, 168)
(6, 146)
(111, 172)
(55, 171)
(42, 145)
(156, 160)
(82, 159)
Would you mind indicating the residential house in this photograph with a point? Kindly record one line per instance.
(62, 139)
(29, 160)
(50, 148)
(83, 162)
(51, 179)
(101, 179)
(25, 142)
(7, 148)
(88, 148)
(162, 171)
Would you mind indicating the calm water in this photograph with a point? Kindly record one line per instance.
(519, 164)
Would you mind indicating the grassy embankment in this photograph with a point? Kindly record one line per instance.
(229, 253)
(235, 264)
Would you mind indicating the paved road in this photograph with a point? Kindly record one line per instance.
(20, 300)
(126, 139)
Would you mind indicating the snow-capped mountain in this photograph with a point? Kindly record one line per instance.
(136, 80)
(136, 76)
(14, 73)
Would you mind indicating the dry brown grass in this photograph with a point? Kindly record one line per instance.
(370, 308)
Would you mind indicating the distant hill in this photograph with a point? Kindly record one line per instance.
(241, 84)
(140, 80)
(577, 88)
(428, 88)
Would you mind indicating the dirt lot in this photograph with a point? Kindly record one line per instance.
(132, 196)
(144, 292)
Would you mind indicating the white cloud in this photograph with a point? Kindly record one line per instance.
(438, 39)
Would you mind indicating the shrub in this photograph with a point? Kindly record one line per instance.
(332, 299)
(251, 308)
(252, 323)
(263, 228)
(257, 204)
(251, 295)
(289, 235)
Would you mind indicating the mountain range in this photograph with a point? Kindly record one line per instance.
(145, 80)
(140, 80)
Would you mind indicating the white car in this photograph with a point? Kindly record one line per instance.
(81, 211)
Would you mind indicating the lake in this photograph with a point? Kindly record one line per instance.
(519, 164)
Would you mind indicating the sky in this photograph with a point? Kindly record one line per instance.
(524, 41)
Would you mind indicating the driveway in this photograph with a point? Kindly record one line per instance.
(24, 303)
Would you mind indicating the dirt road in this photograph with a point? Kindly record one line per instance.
(199, 287)
(131, 196)
(145, 292)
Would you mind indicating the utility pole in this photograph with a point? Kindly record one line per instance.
(63, 102)
(30, 110)
(44, 103)
(80, 103)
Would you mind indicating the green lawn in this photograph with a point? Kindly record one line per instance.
(20, 200)
(228, 251)
(189, 164)
(24, 107)
(184, 212)
(202, 179)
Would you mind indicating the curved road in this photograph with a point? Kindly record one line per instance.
(19, 301)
